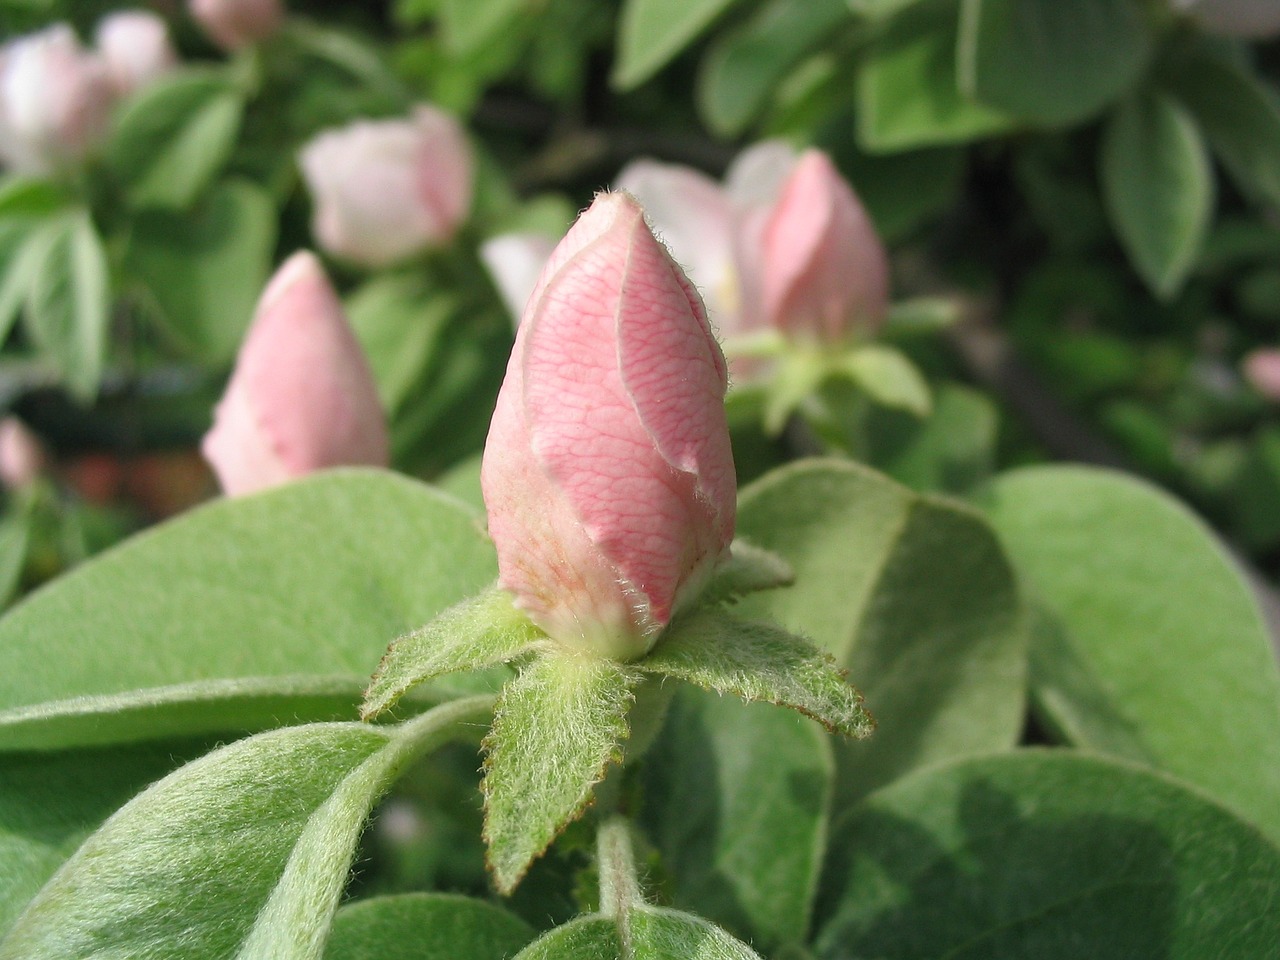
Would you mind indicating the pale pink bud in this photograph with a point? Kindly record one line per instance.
(22, 456)
(385, 189)
(515, 261)
(135, 46)
(693, 216)
(234, 24)
(607, 473)
(1262, 369)
(302, 396)
(1236, 18)
(822, 271)
(55, 99)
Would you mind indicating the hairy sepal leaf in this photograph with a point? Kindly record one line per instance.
(748, 569)
(556, 728)
(480, 632)
(759, 661)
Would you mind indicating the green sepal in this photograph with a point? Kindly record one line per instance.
(759, 661)
(482, 631)
(797, 377)
(556, 727)
(748, 569)
(888, 378)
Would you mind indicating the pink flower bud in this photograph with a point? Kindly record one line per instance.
(22, 456)
(1236, 18)
(233, 24)
(607, 474)
(302, 397)
(1262, 369)
(385, 189)
(135, 46)
(55, 98)
(822, 273)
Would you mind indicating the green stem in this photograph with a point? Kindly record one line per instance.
(439, 725)
(619, 888)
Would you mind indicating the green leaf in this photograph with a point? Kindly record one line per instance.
(888, 378)
(15, 535)
(22, 247)
(654, 934)
(174, 136)
(237, 593)
(555, 729)
(586, 938)
(907, 95)
(467, 25)
(31, 197)
(399, 320)
(1158, 183)
(905, 190)
(748, 569)
(206, 268)
(243, 853)
(1149, 642)
(50, 802)
(1049, 62)
(744, 66)
(795, 379)
(425, 926)
(1240, 116)
(651, 32)
(482, 631)
(950, 451)
(1052, 855)
(68, 303)
(723, 776)
(759, 661)
(913, 594)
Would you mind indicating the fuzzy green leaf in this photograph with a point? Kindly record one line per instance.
(653, 934)
(722, 775)
(50, 802)
(1047, 854)
(759, 661)
(425, 926)
(233, 602)
(555, 729)
(483, 631)
(913, 594)
(1149, 643)
(242, 853)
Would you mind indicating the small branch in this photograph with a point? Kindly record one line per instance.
(619, 888)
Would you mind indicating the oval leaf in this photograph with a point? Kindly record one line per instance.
(651, 32)
(907, 93)
(243, 853)
(1052, 855)
(723, 776)
(1149, 643)
(912, 594)
(1158, 183)
(425, 926)
(1050, 62)
(68, 302)
(174, 135)
(293, 594)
